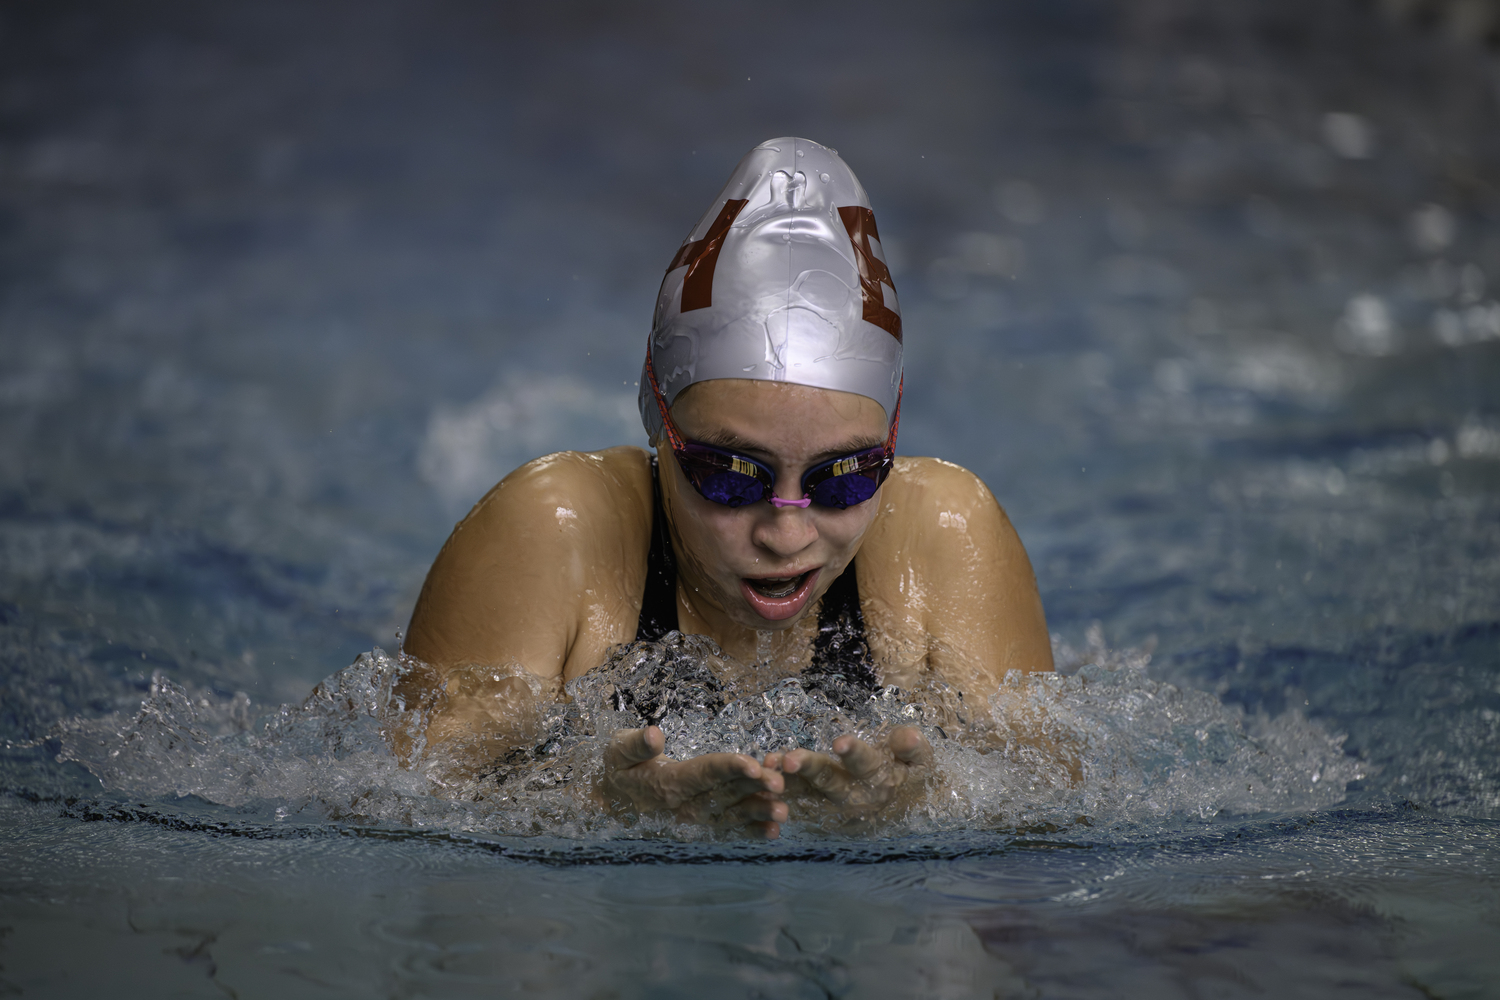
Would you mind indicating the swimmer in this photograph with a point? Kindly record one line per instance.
(773, 517)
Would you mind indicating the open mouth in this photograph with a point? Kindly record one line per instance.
(781, 597)
(784, 587)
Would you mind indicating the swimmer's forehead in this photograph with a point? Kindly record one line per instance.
(757, 416)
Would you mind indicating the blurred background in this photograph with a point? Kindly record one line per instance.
(1205, 291)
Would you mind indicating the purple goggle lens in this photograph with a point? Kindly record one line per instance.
(849, 480)
(724, 477)
(735, 480)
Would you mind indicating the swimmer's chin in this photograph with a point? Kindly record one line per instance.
(775, 606)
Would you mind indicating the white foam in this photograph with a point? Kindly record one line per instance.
(1100, 743)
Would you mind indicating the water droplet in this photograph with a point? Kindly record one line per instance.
(823, 178)
(749, 368)
(801, 152)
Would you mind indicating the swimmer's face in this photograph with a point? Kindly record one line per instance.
(761, 566)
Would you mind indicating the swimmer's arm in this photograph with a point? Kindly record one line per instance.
(542, 571)
(984, 615)
(985, 618)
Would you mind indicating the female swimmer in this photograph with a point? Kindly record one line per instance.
(773, 516)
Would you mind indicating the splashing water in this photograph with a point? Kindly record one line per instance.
(1099, 743)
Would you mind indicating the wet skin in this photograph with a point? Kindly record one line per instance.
(731, 560)
(549, 568)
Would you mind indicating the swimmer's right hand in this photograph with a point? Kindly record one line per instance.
(716, 788)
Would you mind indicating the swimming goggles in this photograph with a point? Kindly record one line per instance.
(734, 480)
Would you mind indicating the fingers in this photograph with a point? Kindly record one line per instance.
(863, 772)
(734, 788)
(629, 747)
(762, 807)
(905, 743)
(910, 746)
(819, 771)
(731, 776)
(859, 758)
(806, 763)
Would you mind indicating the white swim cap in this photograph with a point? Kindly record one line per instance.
(783, 279)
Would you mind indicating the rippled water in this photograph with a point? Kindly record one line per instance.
(1207, 293)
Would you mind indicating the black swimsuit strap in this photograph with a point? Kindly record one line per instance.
(659, 603)
(839, 649)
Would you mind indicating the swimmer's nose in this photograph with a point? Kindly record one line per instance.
(785, 532)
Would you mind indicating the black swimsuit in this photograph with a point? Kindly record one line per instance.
(840, 652)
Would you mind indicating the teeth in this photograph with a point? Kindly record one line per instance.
(776, 588)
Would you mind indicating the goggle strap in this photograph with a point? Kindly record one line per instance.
(890, 440)
(674, 436)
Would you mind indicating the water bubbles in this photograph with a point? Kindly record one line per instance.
(1457, 327)
(1478, 439)
(1483, 322)
(1099, 739)
(1366, 327)
(1432, 228)
(1349, 135)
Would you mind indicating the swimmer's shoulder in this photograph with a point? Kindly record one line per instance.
(929, 500)
(943, 553)
(584, 504)
(526, 572)
(601, 490)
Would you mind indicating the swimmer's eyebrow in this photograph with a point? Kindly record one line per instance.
(730, 441)
(848, 448)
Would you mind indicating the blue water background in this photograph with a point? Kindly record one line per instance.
(1206, 292)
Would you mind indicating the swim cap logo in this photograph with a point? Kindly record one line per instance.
(860, 222)
(701, 256)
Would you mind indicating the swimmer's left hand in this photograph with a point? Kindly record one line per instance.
(863, 778)
(717, 789)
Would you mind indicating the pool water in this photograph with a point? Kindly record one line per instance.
(1209, 294)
